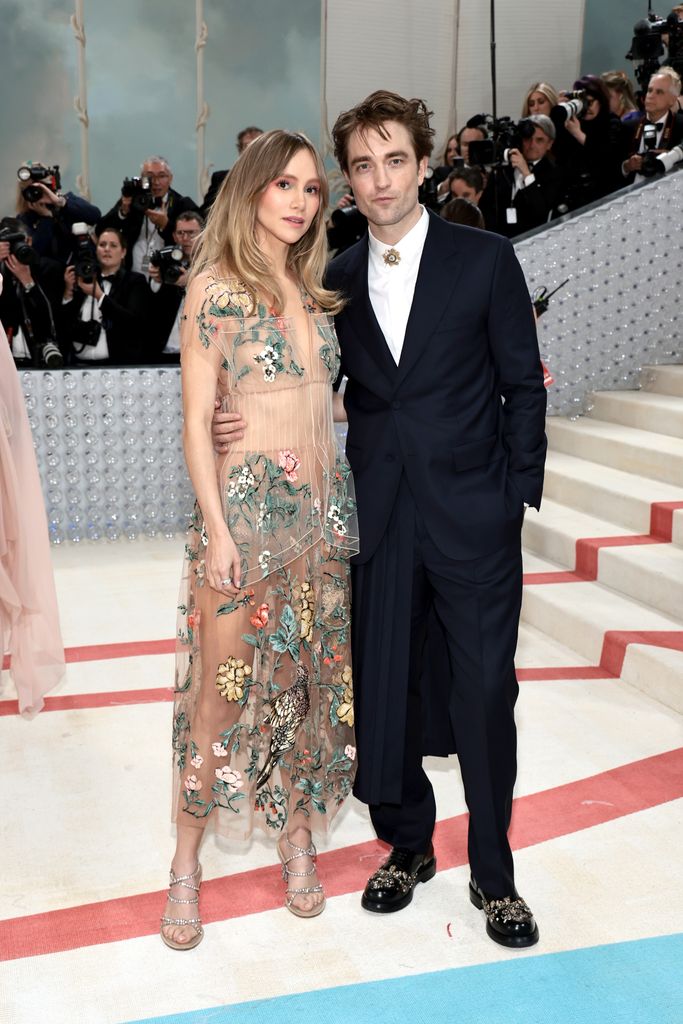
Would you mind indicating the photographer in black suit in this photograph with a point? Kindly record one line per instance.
(659, 131)
(524, 193)
(168, 279)
(31, 289)
(47, 214)
(244, 138)
(147, 221)
(104, 318)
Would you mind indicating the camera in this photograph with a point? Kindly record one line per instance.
(428, 192)
(83, 257)
(19, 246)
(86, 332)
(504, 134)
(574, 105)
(51, 356)
(659, 163)
(171, 263)
(38, 173)
(647, 46)
(139, 189)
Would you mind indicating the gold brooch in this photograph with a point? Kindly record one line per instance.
(391, 257)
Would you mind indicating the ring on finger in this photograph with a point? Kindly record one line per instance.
(227, 583)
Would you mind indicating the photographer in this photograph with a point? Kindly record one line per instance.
(244, 139)
(659, 131)
(146, 213)
(168, 277)
(47, 214)
(590, 143)
(30, 292)
(465, 183)
(622, 98)
(450, 158)
(540, 99)
(105, 312)
(524, 193)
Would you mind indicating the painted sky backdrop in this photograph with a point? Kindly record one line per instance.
(262, 66)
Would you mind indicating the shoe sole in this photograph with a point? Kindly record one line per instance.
(381, 908)
(511, 941)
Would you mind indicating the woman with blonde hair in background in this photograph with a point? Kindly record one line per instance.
(622, 98)
(262, 728)
(540, 99)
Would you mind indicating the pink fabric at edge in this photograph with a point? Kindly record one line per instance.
(29, 619)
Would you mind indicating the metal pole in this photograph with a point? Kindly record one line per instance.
(203, 111)
(81, 101)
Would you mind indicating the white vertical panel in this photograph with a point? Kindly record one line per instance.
(534, 42)
(425, 47)
(391, 44)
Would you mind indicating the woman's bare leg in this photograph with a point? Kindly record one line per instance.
(184, 862)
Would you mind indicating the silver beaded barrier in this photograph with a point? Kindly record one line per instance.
(108, 441)
(620, 310)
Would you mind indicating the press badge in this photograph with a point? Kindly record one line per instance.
(511, 215)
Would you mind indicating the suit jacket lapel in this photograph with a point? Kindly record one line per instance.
(363, 319)
(439, 269)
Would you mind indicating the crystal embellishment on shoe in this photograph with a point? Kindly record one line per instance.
(392, 877)
(191, 882)
(509, 921)
(306, 890)
(391, 887)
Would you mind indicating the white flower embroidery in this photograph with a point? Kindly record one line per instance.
(231, 777)
(264, 561)
(197, 761)
(219, 750)
(240, 488)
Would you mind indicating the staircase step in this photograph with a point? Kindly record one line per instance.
(578, 615)
(662, 414)
(664, 380)
(605, 492)
(553, 532)
(649, 573)
(655, 456)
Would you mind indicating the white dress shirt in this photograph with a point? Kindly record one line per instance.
(92, 310)
(392, 288)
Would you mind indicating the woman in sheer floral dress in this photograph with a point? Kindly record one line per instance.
(263, 717)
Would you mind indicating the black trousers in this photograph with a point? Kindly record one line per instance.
(477, 603)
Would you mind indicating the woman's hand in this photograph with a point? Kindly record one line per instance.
(90, 287)
(222, 563)
(573, 126)
(226, 427)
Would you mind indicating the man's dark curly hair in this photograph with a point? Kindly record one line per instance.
(374, 112)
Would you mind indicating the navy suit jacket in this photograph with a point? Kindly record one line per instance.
(463, 413)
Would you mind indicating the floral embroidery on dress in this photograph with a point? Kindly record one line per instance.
(277, 656)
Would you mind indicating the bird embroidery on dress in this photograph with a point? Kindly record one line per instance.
(287, 711)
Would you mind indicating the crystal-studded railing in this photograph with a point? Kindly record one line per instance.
(620, 310)
(108, 441)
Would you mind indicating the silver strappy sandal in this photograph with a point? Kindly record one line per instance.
(292, 894)
(193, 883)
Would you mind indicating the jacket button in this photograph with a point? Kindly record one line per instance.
(396, 404)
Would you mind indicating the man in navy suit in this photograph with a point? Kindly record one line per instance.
(446, 414)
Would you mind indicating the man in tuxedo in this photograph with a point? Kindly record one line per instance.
(144, 231)
(446, 414)
(663, 90)
(523, 194)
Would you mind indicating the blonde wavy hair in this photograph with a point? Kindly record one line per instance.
(229, 244)
(546, 90)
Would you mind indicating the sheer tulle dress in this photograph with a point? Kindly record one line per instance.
(263, 716)
(29, 620)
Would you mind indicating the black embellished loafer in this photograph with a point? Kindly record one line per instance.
(508, 919)
(391, 887)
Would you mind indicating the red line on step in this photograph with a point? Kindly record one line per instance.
(617, 640)
(537, 818)
(104, 652)
(84, 701)
(588, 548)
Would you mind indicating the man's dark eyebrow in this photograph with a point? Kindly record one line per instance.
(387, 156)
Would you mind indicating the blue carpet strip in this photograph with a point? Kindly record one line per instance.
(637, 982)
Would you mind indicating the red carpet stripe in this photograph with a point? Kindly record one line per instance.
(662, 518)
(157, 694)
(617, 640)
(538, 818)
(104, 652)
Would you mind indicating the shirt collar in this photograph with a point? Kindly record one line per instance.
(409, 246)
